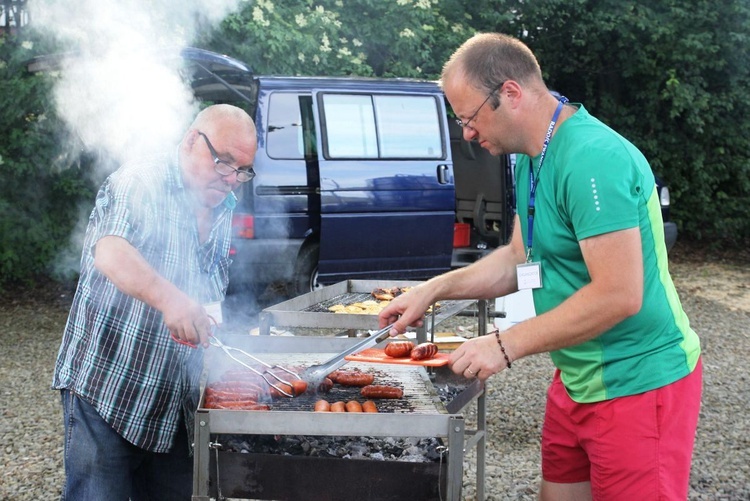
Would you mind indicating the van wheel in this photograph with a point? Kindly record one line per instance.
(306, 272)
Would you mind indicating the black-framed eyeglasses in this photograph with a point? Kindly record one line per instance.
(463, 124)
(244, 174)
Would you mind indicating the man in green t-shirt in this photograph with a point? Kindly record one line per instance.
(588, 239)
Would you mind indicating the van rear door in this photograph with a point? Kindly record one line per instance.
(386, 185)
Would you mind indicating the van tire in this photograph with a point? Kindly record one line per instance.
(305, 277)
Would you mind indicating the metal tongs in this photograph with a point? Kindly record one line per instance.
(230, 350)
(315, 374)
(233, 352)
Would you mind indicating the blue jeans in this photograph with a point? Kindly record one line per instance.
(101, 465)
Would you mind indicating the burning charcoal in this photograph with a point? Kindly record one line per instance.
(306, 447)
(412, 451)
(376, 448)
(447, 392)
(359, 451)
(412, 440)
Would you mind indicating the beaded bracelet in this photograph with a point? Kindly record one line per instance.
(502, 348)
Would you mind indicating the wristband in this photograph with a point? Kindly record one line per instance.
(502, 348)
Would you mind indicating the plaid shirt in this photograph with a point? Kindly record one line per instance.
(116, 352)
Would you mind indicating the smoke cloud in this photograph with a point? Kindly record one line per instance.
(123, 95)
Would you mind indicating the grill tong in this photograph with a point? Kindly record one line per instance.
(315, 374)
(230, 351)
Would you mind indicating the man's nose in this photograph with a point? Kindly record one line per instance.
(232, 179)
(469, 132)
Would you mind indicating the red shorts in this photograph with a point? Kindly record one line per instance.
(636, 447)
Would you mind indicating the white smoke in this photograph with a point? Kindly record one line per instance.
(123, 95)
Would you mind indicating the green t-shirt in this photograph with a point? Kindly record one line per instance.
(593, 181)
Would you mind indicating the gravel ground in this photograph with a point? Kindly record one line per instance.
(715, 294)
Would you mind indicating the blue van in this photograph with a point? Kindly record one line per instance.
(356, 179)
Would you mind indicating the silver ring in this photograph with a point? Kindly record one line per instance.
(470, 371)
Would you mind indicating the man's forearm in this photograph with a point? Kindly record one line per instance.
(126, 268)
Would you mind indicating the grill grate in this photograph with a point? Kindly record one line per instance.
(420, 395)
(345, 299)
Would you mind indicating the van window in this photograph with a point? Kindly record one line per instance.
(287, 138)
(382, 126)
(350, 125)
(408, 127)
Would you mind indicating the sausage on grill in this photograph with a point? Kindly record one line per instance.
(294, 387)
(338, 407)
(225, 395)
(369, 406)
(353, 406)
(351, 378)
(325, 385)
(299, 387)
(235, 386)
(239, 405)
(322, 406)
(381, 391)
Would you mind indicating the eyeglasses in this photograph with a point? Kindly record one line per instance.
(463, 124)
(244, 174)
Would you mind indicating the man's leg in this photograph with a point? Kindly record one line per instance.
(643, 449)
(98, 460)
(552, 491)
(565, 465)
(168, 476)
(636, 447)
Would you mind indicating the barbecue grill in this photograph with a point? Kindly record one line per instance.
(423, 413)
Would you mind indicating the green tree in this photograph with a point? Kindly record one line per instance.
(41, 182)
(671, 76)
(403, 38)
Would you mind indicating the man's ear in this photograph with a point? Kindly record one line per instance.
(191, 138)
(511, 92)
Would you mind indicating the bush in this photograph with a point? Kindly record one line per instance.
(43, 180)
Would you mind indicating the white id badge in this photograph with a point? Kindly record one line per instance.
(214, 311)
(529, 276)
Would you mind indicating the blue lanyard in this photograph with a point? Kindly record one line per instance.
(533, 180)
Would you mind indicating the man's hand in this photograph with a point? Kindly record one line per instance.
(406, 310)
(187, 321)
(479, 357)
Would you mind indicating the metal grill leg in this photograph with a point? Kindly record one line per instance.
(481, 444)
(455, 458)
(201, 461)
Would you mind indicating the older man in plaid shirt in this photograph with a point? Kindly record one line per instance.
(155, 256)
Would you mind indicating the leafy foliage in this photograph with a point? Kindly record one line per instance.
(395, 38)
(41, 184)
(669, 75)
